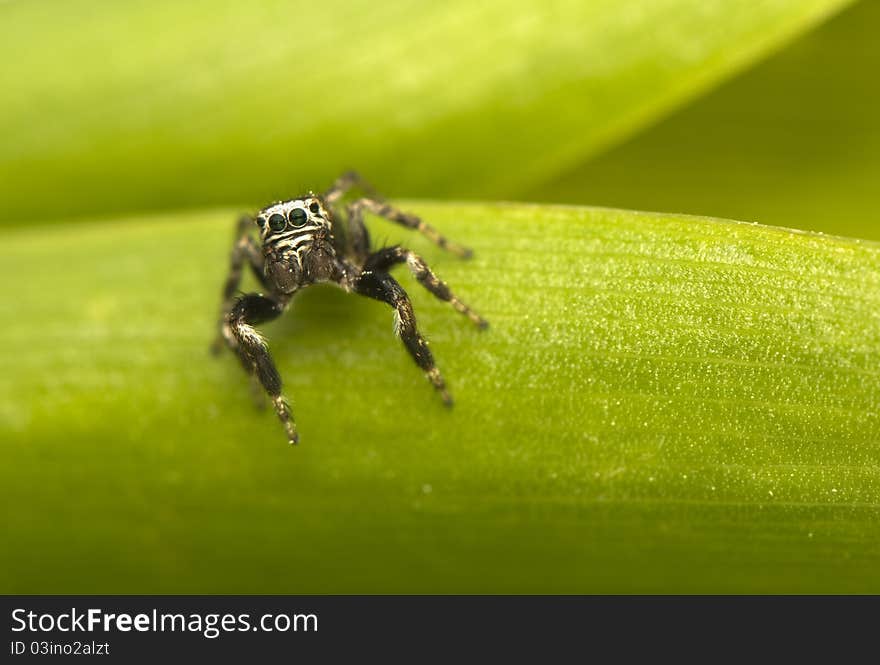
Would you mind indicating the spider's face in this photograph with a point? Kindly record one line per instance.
(293, 223)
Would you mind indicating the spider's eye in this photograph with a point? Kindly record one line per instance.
(314, 207)
(298, 217)
(261, 222)
(276, 222)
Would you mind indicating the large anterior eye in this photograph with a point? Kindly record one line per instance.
(276, 222)
(298, 217)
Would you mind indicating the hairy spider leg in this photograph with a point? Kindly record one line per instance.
(389, 212)
(357, 237)
(387, 257)
(244, 248)
(345, 183)
(382, 286)
(248, 311)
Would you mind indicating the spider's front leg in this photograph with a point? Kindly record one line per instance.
(383, 259)
(382, 286)
(248, 311)
(244, 249)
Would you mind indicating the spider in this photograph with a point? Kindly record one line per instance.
(304, 241)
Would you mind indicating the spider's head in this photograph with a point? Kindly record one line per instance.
(297, 218)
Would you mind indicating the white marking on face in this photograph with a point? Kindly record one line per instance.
(284, 208)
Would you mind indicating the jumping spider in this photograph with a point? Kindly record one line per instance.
(306, 240)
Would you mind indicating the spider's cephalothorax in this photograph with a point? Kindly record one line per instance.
(306, 240)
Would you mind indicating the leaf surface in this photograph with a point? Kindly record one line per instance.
(792, 142)
(662, 403)
(123, 107)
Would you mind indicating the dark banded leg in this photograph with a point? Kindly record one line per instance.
(247, 312)
(358, 238)
(345, 183)
(386, 257)
(356, 211)
(382, 286)
(244, 249)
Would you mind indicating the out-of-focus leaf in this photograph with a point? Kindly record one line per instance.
(793, 142)
(662, 404)
(126, 106)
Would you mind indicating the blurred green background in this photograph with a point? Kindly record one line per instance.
(663, 403)
(792, 142)
(161, 105)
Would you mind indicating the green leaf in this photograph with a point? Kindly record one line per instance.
(122, 107)
(662, 403)
(792, 142)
